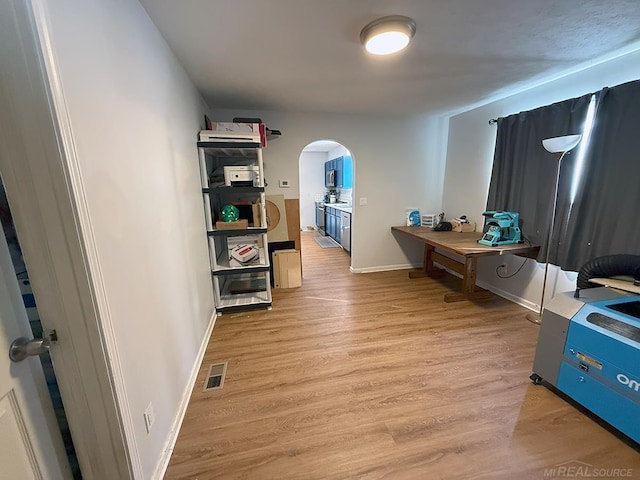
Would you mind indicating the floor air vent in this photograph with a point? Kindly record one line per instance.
(215, 377)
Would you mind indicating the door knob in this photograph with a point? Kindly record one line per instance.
(22, 348)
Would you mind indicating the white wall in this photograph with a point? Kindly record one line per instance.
(311, 178)
(135, 117)
(470, 158)
(399, 163)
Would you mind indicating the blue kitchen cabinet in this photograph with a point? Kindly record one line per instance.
(338, 163)
(328, 166)
(346, 177)
(338, 229)
(333, 223)
(344, 171)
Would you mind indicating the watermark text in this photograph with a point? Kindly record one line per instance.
(577, 469)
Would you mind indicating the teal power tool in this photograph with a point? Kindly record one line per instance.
(503, 228)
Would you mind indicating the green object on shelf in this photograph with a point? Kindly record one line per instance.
(230, 213)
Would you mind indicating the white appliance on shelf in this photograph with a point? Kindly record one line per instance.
(241, 175)
(228, 132)
(243, 253)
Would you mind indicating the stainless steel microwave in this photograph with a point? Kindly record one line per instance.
(330, 180)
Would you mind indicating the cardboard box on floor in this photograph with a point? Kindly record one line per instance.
(287, 269)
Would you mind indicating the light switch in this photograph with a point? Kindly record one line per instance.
(363, 200)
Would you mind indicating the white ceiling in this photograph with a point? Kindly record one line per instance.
(305, 55)
(321, 146)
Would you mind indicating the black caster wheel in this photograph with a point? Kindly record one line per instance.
(535, 378)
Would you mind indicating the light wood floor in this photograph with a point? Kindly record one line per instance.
(372, 376)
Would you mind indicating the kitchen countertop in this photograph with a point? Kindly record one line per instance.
(345, 207)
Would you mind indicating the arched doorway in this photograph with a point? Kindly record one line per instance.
(326, 179)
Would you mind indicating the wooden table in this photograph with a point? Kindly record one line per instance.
(465, 245)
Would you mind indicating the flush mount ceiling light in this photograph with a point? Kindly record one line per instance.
(388, 35)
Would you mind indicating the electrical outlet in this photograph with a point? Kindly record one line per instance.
(364, 201)
(149, 417)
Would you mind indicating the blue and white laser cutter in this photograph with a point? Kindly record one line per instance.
(589, 349)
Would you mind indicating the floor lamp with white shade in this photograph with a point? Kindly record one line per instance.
(559, 145)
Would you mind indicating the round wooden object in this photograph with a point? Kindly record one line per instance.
(273, 215)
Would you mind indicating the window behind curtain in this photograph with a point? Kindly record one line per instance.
(524, 173)
(605, 217)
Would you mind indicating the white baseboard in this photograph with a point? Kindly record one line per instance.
(501, 293)
(167, 451)
(385, 268)
(509, 296)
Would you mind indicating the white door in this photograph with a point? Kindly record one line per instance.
(40, 173)
(31, 444)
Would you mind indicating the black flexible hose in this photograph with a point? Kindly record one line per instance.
(608, 266)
